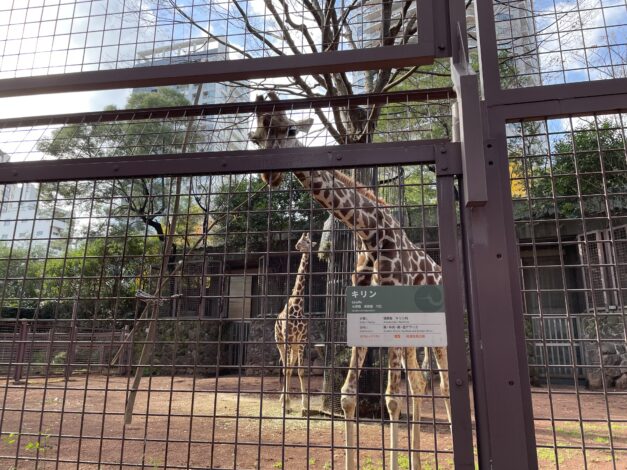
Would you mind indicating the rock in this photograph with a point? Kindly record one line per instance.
(621, 382)
(595, 379)
(621, 348)
(592, 356)
(623, 366)
(608, 348)
(611, 360)
(612, 373)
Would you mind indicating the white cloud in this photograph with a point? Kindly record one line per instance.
(39, 105)
(578, 37)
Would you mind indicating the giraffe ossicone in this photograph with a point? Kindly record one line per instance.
(384, 256)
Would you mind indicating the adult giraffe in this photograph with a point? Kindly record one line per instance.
(290, 329)
(385, 256)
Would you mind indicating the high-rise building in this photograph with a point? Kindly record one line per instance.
(516, 41)
(30, 223)
(514, 25)
(223, 132)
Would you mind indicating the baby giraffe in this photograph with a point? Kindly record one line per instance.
(290, 329)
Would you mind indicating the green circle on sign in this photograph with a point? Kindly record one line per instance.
(428, 299)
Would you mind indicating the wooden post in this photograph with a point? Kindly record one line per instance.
(101, 356)
(122, 361)
(146, 353)
(49, 347)
(69, 359)
(128, 350)
(21, 351)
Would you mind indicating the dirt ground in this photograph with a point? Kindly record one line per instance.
(175, 428)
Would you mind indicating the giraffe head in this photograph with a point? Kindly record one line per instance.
(304, 244)
(275, 130)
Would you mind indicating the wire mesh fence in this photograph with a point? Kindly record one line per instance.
(399, 117)
(110, 293)
(569, 184)
(549, 42)
(41, 38)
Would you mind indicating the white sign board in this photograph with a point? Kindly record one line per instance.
(395, 316)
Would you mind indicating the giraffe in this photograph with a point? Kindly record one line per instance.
(385, 256)
(290, 329)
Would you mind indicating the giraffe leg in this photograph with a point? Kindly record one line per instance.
(279, 339)
(349, 404)
(441, 358)
(289, 368)
(392, 401)
(426, 367)
(301, 377)
(283, 359)
(417, 387)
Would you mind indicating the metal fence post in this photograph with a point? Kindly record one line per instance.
(499, 365)
(454, 301)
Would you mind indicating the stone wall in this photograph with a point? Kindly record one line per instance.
(610, 351)
(185, 347)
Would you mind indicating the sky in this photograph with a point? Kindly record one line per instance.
(40, 37)
(38, 105)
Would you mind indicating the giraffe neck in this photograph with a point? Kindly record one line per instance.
(332, 192)
(371, 218)
(299, 286)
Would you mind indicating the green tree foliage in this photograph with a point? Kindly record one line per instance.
(118, 224)
(103, 272)
(147, 199)
(107, 139)
(255, 221)
(583, 170)
(19, 278)
(429, 119)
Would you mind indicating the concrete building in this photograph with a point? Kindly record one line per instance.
(29, 222)
(517, 43)
(224, 132)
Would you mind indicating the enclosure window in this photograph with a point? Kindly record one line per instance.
(604, 258)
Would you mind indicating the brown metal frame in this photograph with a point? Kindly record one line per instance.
(508, 397)
(341, 156)
(502, 393)
(231, 108)
(432, 42)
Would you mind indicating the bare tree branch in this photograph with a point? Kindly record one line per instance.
(216, 38)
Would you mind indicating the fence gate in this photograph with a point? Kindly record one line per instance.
(208, 397)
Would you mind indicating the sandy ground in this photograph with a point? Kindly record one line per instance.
(175, 428)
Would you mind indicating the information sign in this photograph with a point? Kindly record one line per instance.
(403, 316)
